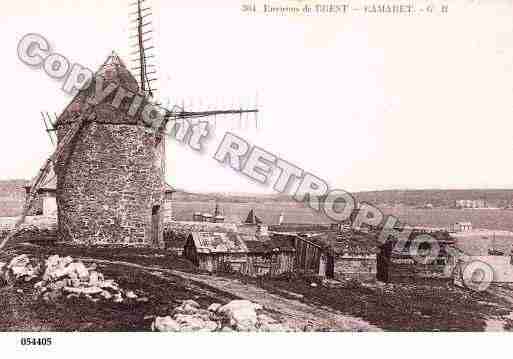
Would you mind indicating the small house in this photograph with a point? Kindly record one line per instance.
(269, 258)
(197, 217)
(403, 260)
(351, 257)
(228, 252)
(216, 251)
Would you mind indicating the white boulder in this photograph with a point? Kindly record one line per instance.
(188, 306)
(165, 324)
(214, 307)
(241, 314)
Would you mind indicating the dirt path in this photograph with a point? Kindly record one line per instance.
(292, 312)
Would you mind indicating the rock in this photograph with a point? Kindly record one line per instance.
(106, 294)
(58, 285)
(165, 324)
(56, 267)
(109, 284)
(118, 298)
(39, 285)
(188, 306)
(94, 278)
(52, 296)
(92, 267)
(214, 307)
(75, 283)
(19, 261)
(80, 269)
(192, 323)
(265, 319)
(205, 314)
(83, 290)
(241, 314)
(275, 327)
(20, 267)
(130, 295)
(210, 326)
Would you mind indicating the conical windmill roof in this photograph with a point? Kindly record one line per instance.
(112, 70)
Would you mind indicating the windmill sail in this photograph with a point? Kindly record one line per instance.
(145, 71)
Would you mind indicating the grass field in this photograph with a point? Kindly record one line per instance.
(294, 212)
(443, 217)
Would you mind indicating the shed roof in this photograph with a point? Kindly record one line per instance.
(271, 245)
(356, 245)
(218, 242)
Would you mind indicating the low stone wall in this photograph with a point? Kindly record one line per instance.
(35, 228)
(183, 228)
(361, 267)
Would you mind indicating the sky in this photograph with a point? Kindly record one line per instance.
(363, 101)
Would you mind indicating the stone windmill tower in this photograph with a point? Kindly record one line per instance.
(111, 177)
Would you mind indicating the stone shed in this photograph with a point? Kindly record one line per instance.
(348, 257)
(110, 178)
(398, 262)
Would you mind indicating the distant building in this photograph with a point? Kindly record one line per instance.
(461, 227)
(470, 203)
(254, 225)
(206, 217)
(218, 217)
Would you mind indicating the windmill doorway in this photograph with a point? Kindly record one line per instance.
(155, 225)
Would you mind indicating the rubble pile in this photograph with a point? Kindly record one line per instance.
(237, 315)
(64, 277)
(73, 279)
(20, 268)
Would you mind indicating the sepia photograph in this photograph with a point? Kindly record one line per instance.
(244, 172)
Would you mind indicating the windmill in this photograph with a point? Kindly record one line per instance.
(87, 113)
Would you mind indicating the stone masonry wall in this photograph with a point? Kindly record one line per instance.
(108, 182)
